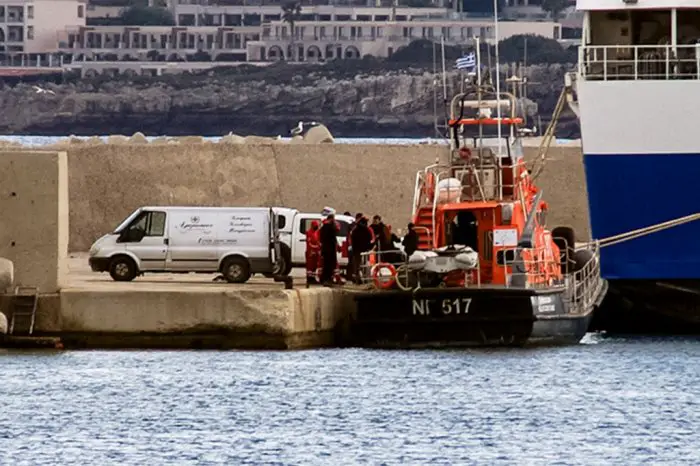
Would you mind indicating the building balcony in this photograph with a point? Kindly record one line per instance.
(152, 54)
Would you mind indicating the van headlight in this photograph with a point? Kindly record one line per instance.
(94, 250)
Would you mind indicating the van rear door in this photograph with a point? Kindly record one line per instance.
(275, 252)
(302, 223)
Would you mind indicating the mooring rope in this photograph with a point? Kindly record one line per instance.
(634, 234)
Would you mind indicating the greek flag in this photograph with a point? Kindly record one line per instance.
(466, 62)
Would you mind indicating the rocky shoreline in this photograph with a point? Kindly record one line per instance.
(361, 101)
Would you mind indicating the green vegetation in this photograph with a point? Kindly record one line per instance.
(147, 16)
(540, 50)
(555, 7)
(291, 13)
(137, 15)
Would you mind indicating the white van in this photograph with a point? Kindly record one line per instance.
(293, 226)
(234, 241)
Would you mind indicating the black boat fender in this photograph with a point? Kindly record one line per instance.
(565, 239)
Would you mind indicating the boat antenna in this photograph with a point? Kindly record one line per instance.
(444, 79)
(478, 93)
(435, 118)
(498, 77)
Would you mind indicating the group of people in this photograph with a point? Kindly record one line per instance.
(322, 246)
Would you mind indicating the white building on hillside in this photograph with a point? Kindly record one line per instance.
(32, 26)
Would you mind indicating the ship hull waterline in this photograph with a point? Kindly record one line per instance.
(466, 317)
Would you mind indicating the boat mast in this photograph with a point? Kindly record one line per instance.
(498, 78)
(435, 83)
(478, 94)
(444, 80)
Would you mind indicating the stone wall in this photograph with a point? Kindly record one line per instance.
(107, 182)
(34, 209)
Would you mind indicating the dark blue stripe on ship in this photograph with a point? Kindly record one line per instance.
(631, 191)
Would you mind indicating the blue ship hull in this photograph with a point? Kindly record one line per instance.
(632, 191)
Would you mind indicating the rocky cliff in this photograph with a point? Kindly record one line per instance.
(353, 100)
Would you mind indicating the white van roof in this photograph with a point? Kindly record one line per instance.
(194, 207)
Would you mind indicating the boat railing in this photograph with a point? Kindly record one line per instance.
(389, 269)
(585, 283)
(376, 266)
(639, 62)
(418, 192)
(536, 268)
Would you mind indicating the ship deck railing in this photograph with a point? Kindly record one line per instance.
(403, 279)
(639, 62)
(533, 268)
(479, 183)
(585, 284)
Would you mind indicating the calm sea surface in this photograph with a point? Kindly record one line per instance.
(603, 402)
(606, 401)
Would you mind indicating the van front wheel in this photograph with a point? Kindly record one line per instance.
(236, 270)
(123, 269)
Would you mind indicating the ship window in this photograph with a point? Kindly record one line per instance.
(505, 257)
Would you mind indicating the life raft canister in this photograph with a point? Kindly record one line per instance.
(383, 282)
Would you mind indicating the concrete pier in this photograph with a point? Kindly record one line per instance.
(187, 311)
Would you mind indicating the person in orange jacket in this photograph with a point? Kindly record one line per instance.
(313, 252)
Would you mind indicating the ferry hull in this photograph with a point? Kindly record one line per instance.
(642, 167)
(465, 318)
(632, 191)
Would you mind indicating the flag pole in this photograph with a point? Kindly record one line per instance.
(478, 93)
(444, 81)
(478, 62)
(498, 77)
(444, 72)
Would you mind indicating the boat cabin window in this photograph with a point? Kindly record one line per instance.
(505, 257)
(639, 44)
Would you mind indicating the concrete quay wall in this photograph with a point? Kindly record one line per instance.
(109, 181)
(197, 317)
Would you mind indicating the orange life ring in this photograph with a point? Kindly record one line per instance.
(465, 153)
(383, 284)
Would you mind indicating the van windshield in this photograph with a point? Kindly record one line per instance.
(126, 222)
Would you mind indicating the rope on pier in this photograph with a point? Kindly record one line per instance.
(634, 234)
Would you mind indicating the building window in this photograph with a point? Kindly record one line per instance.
(30, 32)
(81, 11)
(30, 12)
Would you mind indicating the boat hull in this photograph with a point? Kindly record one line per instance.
(656, 188)
(465, 317)
(641, 170)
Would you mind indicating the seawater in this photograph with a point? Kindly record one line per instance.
(603, 402)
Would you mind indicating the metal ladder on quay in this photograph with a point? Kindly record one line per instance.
(23, 316)
(20, 334)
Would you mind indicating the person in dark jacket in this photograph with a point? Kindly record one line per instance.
(382, 235)
(361, 238)
(410, 241)
(328, 235)
(351, 256)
